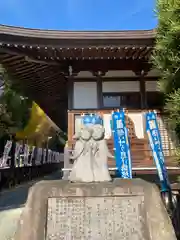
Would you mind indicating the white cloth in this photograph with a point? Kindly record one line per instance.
(91, 165)
(82, 170)
(101, 172)
(91, 155)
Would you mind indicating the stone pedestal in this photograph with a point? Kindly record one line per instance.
(122, 209)
(67, 163)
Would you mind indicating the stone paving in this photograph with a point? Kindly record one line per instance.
(11, 205)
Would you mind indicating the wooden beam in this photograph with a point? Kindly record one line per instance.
(33, 60)
(105, 65)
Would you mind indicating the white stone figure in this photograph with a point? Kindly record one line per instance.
(67, 160)
(100, 154)
(82, 170)
(90, 155)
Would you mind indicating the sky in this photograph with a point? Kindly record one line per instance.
(79, 14)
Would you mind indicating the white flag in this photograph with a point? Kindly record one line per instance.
(5, 157)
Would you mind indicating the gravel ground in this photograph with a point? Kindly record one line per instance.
(11, 206)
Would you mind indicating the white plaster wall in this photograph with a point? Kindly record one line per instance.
(137, 119)
(85, 95)
(152, 86)
(85, 74)
(106, 121)
(119, 73)
(124, 86)
(77, 123)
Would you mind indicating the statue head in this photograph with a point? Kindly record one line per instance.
(86, 133)
(91, 127)
(98, 132)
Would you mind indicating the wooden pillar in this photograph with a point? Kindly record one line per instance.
(143, 92)
(142, 84)
(99, 75)
(70, 92)
(99, 93)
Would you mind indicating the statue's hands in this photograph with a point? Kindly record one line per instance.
(73, 156)
(71, 161)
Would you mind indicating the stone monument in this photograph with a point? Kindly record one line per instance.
(92, 207)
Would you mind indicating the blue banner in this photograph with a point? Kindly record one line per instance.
(91, 119)
(121, 145)
(156, 147)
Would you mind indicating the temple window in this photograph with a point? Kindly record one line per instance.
(85, 95)
(121, 94)
(121, 100)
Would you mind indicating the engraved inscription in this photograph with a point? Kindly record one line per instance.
(97, 218)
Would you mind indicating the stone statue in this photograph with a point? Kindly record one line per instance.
(82, 167)
(100, 154)
(90, 156)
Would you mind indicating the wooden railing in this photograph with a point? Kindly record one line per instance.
(139, 143)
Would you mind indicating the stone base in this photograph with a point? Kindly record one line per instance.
(122, 209)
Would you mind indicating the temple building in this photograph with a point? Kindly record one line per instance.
(69, 73)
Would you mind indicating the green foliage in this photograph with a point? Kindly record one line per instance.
(58, 141)
(14, 109)
(173, 108)
(166, 56)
